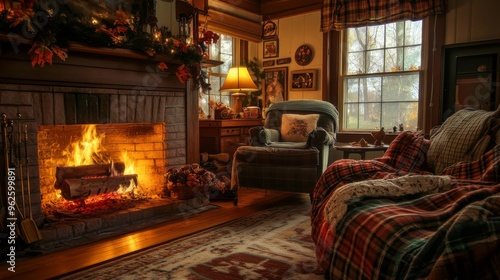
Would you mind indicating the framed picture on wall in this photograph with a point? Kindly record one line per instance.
(271, 48)
(275, 85)
(269, 30)
(304, 79)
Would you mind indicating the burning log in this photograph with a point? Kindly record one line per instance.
(81, 188)
(80, 182)
(82, 171)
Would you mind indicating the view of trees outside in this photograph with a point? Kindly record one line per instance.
(382, 76)
(222, 51)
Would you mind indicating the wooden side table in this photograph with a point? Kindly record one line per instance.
(349, 149)
(225, 136)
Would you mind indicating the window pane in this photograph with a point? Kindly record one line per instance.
(412, 58)
(413, 32)
(370, 89)
(356, 63)
(395, 34)
(215, 83)
(394, 60)
(400, 88)
(400, 113)
(228, 63)
(369, 117)
(356, 39)
(376, 37)
(375, 60)
(352, 90)
(351, 116)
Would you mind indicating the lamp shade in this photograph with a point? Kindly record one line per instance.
(237, 80)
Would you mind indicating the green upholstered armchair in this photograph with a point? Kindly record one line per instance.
(290, 151)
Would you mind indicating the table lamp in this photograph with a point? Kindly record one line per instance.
(238, 80)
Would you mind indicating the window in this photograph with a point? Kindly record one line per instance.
(223, 51)
(381, 76)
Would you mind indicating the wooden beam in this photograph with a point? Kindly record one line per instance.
(274, 9)
(252, 6)
(234, 26)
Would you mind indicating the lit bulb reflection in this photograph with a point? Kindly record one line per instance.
(132, 243)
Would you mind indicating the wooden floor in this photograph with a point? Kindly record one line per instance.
(59, 263)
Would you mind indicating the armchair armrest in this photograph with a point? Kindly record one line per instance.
(261, 136)
(323, 141)
(320, 137)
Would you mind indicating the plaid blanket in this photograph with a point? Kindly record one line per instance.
(444, 235)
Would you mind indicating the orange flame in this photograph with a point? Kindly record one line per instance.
(87, 150)
(90, 150)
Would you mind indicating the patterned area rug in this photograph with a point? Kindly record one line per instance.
(271, 244)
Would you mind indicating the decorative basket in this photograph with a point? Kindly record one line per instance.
(189, 181)
(181, 192)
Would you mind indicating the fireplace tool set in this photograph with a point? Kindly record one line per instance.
(27, 227)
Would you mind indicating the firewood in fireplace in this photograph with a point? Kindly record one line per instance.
(80, 188)
(82, 171)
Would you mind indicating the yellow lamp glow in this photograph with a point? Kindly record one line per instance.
(238, 80)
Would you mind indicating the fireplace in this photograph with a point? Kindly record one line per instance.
(125, 96)
(79, 162)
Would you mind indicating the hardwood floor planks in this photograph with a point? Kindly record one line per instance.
(58, 263)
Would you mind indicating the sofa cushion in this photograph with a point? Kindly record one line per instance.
(277, 156)
(296, 128)
(464, 136)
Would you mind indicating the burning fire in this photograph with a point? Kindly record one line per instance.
(89, 150)
(86, 151)
(100, 166)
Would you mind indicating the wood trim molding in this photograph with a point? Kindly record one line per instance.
(252, 6)
(274, 9)
(234, 26)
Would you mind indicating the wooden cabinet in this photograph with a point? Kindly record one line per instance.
(224, 136)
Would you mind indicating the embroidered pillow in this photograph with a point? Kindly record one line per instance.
(296, 128)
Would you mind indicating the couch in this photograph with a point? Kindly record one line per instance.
(291, 150)
(428, 208)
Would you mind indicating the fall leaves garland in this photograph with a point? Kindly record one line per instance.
(49, 31)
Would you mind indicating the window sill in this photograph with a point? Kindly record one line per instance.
(349, 136)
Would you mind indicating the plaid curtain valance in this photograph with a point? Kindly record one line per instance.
(342, 14)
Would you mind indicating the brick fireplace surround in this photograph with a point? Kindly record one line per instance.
(96, 86)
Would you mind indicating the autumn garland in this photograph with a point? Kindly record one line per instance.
(50, 33)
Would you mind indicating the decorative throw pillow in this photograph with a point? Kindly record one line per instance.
(464, 136)
(296, 128)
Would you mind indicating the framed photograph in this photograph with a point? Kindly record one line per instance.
(271, 48)
(304, 79)
(269, 30)
(275, 85)
(286, 60)
(267, 63)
